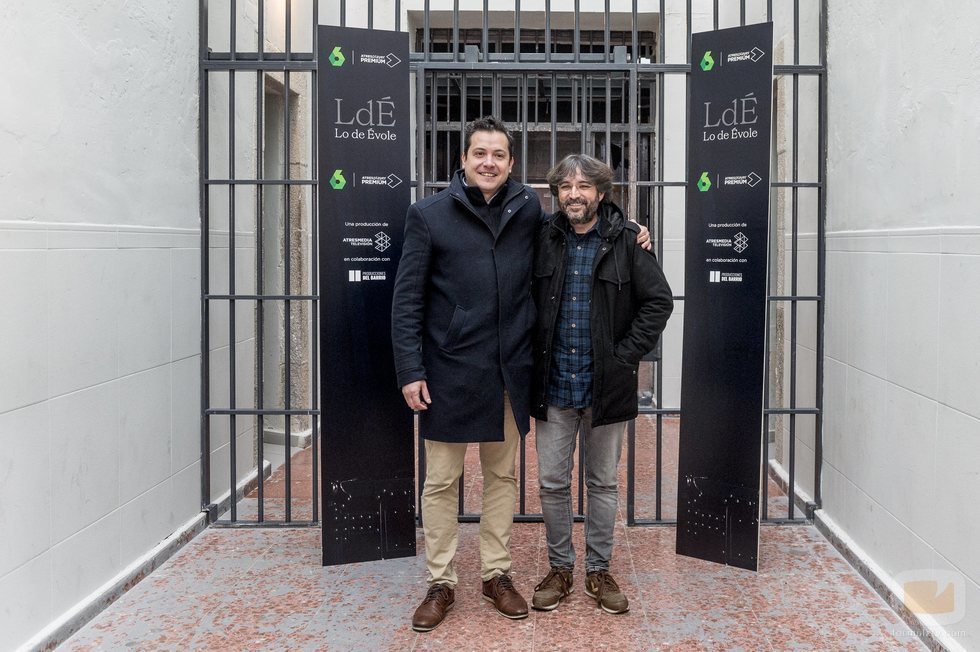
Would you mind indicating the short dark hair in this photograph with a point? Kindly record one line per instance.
(594, 170)
(487, 123)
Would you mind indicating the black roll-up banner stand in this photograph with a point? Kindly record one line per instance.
(367, 451)
(726, 255)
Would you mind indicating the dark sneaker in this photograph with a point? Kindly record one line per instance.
(555, 586)
(437, 603)
(505, 598)
(601, 586)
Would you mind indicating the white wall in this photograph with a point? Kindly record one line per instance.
(903, 269)
(99, 299)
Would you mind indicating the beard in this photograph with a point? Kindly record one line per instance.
(586, 216)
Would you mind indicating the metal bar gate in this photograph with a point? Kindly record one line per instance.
(613, 83)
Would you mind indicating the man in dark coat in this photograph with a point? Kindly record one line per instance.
(602, 304)
(462, 318)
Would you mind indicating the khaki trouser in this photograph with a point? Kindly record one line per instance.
(440, 495)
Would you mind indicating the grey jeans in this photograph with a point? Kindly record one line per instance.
(602, 446)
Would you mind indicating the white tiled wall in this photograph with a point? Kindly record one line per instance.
(99, 408)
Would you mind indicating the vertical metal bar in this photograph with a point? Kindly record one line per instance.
(315, 277)
(484, 38)
(343, 12)
(398, 15)
(741, 16)
(631, 473)
(796, 35)
(687, 45)
(660, 176)
(608, 156)
(764, 509)
(261, 36)
(289, 29)
(606, 49)
(661, 32)
(517, 37)
(585, 102)
(554, 124)
(425, 30)
(582, 444)
(634, 137)
(455, 50)
(232, 349)
(768, 10)
(523, 496)
(547, 34)
(370, 9)
(524, 118)
(716, 14)
(421, 479)
(287, 290)
(420, 77)
(794, 289)
(259, 287)
(576, 37)
(635, 51)
(233, 40)
(204, 174)
(821, 256)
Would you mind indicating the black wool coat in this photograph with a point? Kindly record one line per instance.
(630, 304)
(462, 312)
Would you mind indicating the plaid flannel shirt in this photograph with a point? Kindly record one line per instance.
(570, 376)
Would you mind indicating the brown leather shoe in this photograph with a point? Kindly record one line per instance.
(438, 601)
(505, 598)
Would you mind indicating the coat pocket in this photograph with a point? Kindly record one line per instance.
(455, 328)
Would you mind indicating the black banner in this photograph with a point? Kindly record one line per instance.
(367, 455)
(726, 255)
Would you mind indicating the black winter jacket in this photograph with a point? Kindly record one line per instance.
(462, 313)
(631, 302)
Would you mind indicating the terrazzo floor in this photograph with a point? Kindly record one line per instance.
(264, 589)
(233, 589)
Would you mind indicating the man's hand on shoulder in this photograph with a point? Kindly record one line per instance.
(643, 238)
(417, 395)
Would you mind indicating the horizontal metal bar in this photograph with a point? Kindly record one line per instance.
(791, 411)
(269, 524)
(799, 70)
(802, 520)
(796, 184)
(263, 412)
(254, 56)
(261, 182)
(791, 298)
(419, 63)
(647, 522)
(282, 66)
(774, 297)
(262, 297)
(664, 411)
(568, 67)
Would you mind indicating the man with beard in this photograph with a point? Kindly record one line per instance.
(602, 304)
(462, 320)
